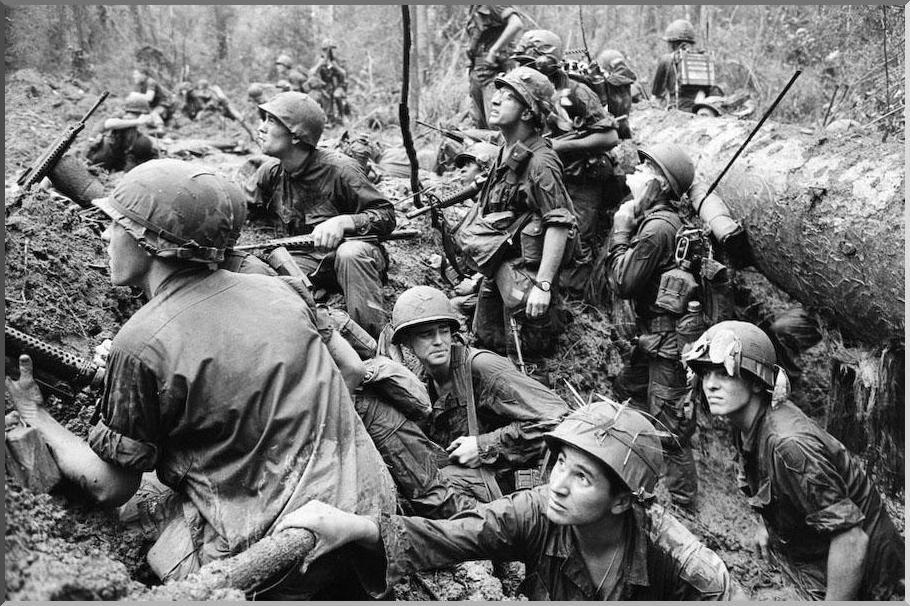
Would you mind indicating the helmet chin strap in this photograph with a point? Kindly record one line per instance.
(781, 391)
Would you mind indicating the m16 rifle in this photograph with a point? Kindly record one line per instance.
(436, 203)
(46, 162)
(588, 72)
(452, 133)
(56, 370)
(306, 242)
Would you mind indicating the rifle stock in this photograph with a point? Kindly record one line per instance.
(306, 242)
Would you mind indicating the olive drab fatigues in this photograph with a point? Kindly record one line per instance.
(662, 560)
(327, 185)
(122, 149)
(484, 25)
(502, 237)
(808, 487)
(654, 376)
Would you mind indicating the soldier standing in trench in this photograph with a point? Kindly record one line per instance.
(244, 420)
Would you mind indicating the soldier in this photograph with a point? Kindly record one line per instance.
(590, 534)
(490, 29)
(668, 84)
(334, 84)
(581, 139)
(521, 231)
(159, 99)
(619, 79)
(289, 74)
(243, 420)
(122, 146)
(305, 190)
(485, 412)
(823, 518)
(642, 249)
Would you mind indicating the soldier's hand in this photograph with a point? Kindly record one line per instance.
(24, 393)
(328, 234)
(102, 352)
(538, 302)
(464, 451)
(625, 219)
(760, 542)
(332, 527)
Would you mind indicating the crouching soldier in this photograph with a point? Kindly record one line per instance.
(305, 190)
(642, 251)
(590, 534)
(489, 416)
(823, 518)
(220, 383)
(521, 231)
(122, 145)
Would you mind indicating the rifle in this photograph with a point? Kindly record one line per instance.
(452, 133)
(54, 365)
(46, 162)
(306, 242)
(516, 336)
(458, 197)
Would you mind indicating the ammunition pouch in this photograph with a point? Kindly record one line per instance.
(677, 287)
(657, 324)
(486, 240)
(717, 291)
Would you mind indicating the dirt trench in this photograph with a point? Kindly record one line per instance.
(59, 547)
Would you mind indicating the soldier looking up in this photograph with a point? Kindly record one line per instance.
(305, 190)
(220, 383)
(490, 29)
(590, 534)
(822, 517)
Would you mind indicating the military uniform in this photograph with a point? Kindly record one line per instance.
(808, 487)
(237, 452)
(654, 373)
(484, 25)
(661, 561)
(122, 149)
(161, 102)
(523, 197)
(332, 95)
(327, 185)
(665, 85)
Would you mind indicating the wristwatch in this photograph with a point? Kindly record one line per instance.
(543, 285)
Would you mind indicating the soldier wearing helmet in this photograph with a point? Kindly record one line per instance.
(287, 73)
(207, 390)
(520, 257)
(306, 190)
(826, 518)
(333, 84)
(669, 84)
(159, 98)
(491, 30)
(121, 145)
(581, 138)
(590, 534)
(619, 79)
(512, 410)
(642, 250)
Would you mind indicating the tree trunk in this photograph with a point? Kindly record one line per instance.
(824, 217)
(416, 80)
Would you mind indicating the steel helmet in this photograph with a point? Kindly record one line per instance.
(255, 90)
(608, 57)
(137, 103)
(285, 60)
(674, 163)
(328, 43)
(238, 208)
(174, 209)
(537, 43)
(533, 88)
(620, 437)
(680, 31)
(299, 113)
(419, 305)
(738, 346)
(481, 152)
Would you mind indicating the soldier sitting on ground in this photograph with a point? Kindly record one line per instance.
(487, 414)
(122, 145)
(305, 190)
(286, 72)
(158, 97)
(590, 534)
(823, 518)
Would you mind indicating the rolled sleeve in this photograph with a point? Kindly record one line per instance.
(559, 217)
(371, 211)
(121, 450)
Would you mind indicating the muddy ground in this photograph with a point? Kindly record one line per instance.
(59, 547)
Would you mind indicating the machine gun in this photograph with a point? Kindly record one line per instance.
(436, 203)
(46, 162)
(56, 370)
(452, 133)
(588, 72)
(306, 242)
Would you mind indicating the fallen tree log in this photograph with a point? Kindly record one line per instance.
(824, 214)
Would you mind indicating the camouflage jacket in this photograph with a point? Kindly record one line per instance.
(662, 560)
(484, 25)
(584, 109)
(808, 487)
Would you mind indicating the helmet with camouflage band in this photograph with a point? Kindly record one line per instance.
(137, 103)
(421, 305)
(285, 60)
(680, 31)
(481, 152)
(174, 210)
(618, 436)
(532, 87)
(299, 113)
(540, 49)
(674, 163)
(738, 347)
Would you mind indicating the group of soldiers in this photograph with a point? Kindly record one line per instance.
(260, 408)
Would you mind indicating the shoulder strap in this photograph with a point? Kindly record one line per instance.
(668, 216)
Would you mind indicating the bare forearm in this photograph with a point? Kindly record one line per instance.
(589, 144)
(554, 245)
(846, 556)
(513, 26)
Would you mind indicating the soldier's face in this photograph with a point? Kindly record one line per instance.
(274, 138)
(506, 108)
(128, 263)
(726, 395)
(431, 344)
(580, 491)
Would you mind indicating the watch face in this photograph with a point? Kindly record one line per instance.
(544, 286)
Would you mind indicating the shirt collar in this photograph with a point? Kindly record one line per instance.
(750, 436)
